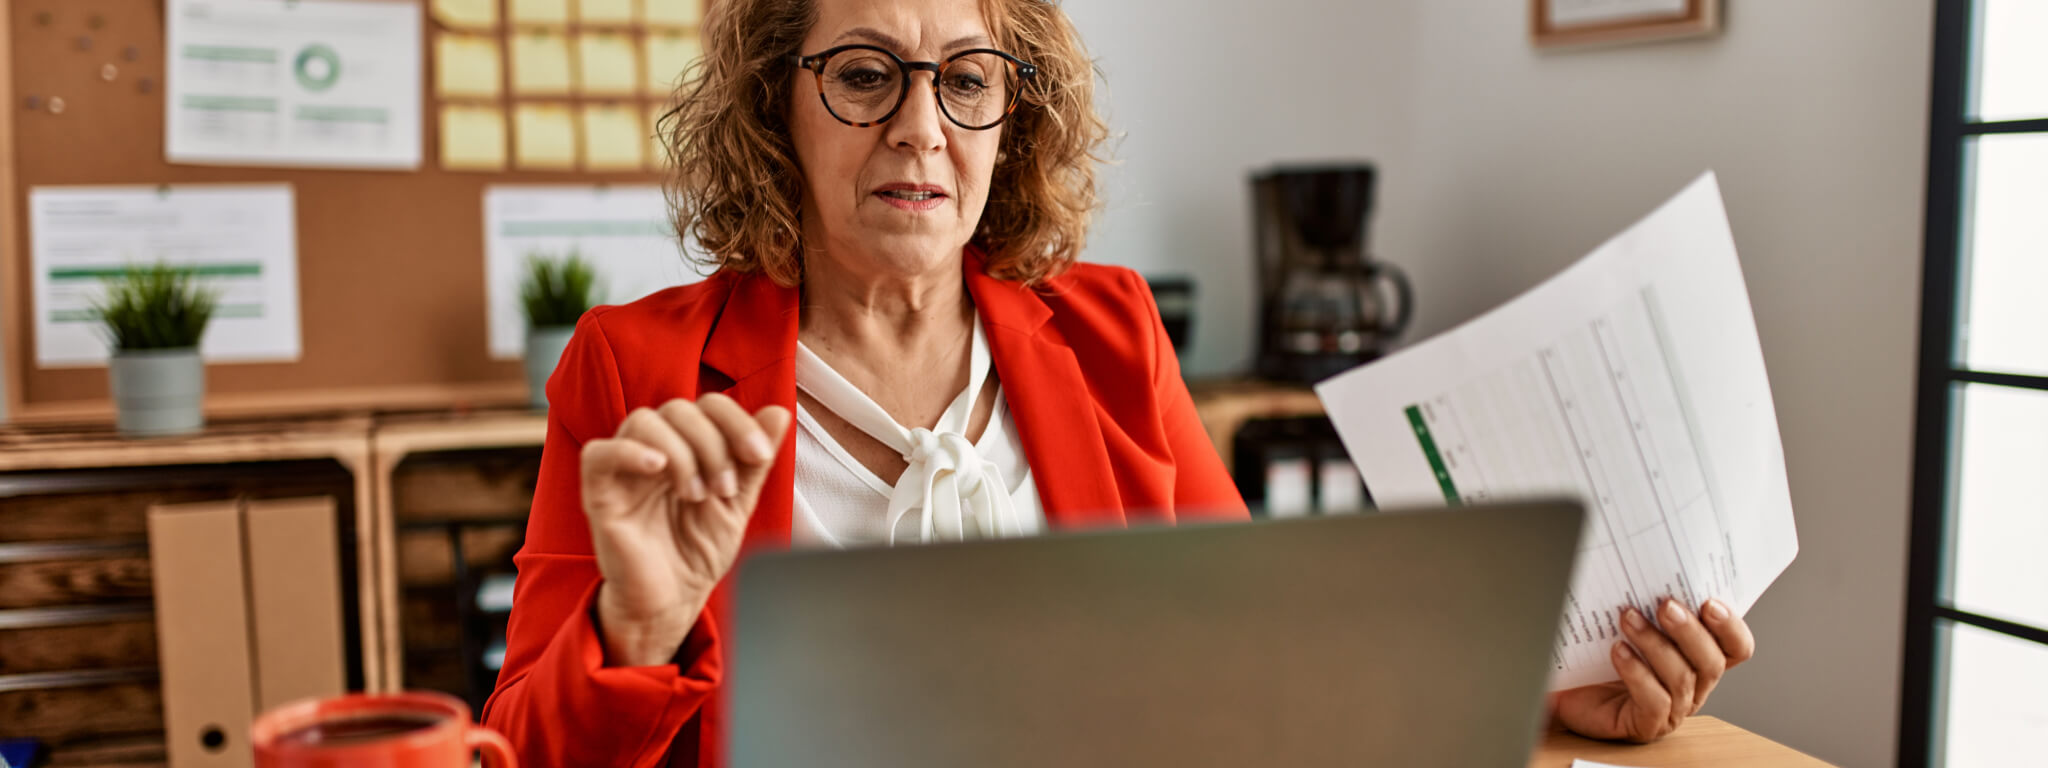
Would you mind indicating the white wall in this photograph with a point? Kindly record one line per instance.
(1504, 164)
(1205, 93)
(1814, 114)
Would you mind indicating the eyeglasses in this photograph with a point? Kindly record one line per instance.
(863, 85)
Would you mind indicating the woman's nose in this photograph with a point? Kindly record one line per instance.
(919, 125)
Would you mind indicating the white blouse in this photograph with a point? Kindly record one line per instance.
(953, 490)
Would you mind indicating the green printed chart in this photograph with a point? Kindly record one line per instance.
(310, 83)
(237, 240)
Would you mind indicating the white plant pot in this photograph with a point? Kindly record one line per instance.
(543, 350)
(158, 391)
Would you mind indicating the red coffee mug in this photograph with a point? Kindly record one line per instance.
(392, 730)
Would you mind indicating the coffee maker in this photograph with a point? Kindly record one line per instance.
(1325, 305)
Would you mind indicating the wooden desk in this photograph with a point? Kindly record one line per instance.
(1702, 741)
(1224, 405)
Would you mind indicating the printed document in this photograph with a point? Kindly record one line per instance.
(623, 231)
(317, 83)
(238, 239)
(1632, 381)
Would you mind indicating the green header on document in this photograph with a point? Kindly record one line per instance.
(230, 53)
(344, 114)
(243, 269)
(1436, 459)
(238, 311)
(231, 103)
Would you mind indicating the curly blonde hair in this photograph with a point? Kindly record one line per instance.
(736, 187)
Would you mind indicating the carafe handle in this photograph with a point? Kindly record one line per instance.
(1394, 320)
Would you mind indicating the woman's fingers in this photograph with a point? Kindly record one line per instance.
(1730, 632)
(714, 460)
(744, 438)
(1700, 649)
(773, 422)
(649, 428)
(711, 447)
(620, 456)
(1647, 714)
(1664, 659)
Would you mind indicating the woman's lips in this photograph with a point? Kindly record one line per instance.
(911, 200)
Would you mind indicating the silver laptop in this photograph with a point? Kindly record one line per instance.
(1390, 639)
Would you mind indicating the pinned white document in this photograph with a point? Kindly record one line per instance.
(317, 83)
(1632, 381)
(623, 231)
(239, 239)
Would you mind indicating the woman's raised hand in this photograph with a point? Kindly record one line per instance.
(668, 498)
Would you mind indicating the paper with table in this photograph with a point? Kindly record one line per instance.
(623, 231)
(1633, 381)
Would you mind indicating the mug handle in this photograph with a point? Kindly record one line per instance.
(497, 751)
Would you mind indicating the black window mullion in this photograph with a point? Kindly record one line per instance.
(2006, 126)
(1918, 731)
(2015, 380)
(2001, 626)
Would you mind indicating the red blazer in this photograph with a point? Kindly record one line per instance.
(1093, 386)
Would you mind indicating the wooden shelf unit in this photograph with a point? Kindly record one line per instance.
(72, 502)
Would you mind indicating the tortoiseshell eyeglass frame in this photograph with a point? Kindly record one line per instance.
(816, 64)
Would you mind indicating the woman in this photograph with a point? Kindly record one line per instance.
(893, 193)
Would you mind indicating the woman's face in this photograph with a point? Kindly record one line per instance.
(905, 196)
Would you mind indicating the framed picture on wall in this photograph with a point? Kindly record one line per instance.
(1559, 23)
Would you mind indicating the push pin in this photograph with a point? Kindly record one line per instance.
(32, 102)
(56, 105)
(144, 85)
(95, 21)
(108, 72)
(43, 18)
(84, 43)
(130, 54)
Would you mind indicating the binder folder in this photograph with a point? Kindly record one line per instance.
(202, 631)
(294, 599)
(248, 617)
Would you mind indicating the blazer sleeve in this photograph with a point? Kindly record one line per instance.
(555, 699)
(1202, 488)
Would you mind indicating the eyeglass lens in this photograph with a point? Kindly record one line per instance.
(863, 86)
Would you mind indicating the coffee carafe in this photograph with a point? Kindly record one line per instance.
(1325, 304)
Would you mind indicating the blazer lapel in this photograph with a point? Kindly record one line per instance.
(1055, 416)
(754, 346)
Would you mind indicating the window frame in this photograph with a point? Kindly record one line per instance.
(1942, 372)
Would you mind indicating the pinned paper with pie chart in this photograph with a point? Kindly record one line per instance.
(310, 83)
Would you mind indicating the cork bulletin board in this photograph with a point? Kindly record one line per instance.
(390, 263)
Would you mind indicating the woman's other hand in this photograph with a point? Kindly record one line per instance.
(668, 498)
(1665, 677)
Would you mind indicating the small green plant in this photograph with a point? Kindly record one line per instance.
(557, 291)
(155, 307)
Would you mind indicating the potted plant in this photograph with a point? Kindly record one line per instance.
(154, 318)
(556, 293)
